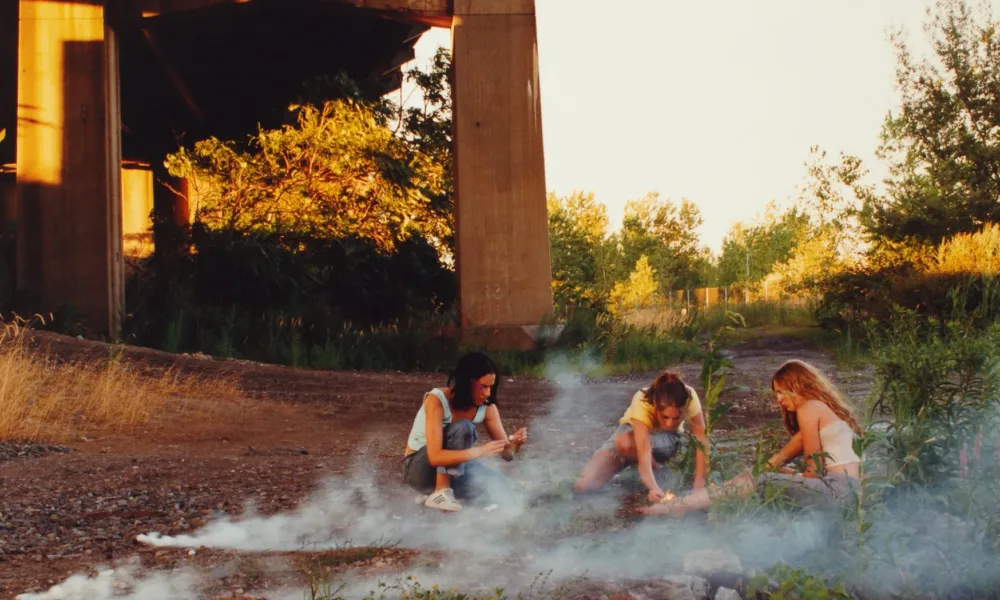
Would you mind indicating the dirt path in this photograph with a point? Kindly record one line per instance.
(63, 513)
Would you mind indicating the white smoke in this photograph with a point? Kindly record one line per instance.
(122, 584)
(510, 546)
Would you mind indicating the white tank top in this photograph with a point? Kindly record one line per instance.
(837, 440)
(418, 433)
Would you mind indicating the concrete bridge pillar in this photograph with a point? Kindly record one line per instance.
(69, 187)
(68, 161)
(502, 243)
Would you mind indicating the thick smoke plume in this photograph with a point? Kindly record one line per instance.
(525, 537)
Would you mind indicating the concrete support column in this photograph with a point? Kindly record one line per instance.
(504, 273)
(68, 162)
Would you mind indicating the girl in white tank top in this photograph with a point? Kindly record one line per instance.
(441, 458)
(822, 429)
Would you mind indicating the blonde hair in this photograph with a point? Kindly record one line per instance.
(806, 381)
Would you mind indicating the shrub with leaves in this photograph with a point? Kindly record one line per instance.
(338, 172)
(938, 383)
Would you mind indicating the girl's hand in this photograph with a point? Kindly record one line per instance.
(494, 448)
(657, 495)
(520, 437)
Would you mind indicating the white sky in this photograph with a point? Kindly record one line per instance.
(717, 101)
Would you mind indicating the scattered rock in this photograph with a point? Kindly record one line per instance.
(251, 451)
(724, 593)
(588, 590)
(14, 450)
(678, 587)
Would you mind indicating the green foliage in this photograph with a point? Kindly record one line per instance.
(794, 584)
(945, 169)
(770, 314)
(638, 291)
(959, 275)
(715, 367)
(666, 234)
(428, 126)
(338, 172)
(760, 247)
(938, 384)
(321, 243)
(579, 251)
(295, 300)
(643, 349)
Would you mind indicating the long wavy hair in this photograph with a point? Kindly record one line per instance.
(806, 381)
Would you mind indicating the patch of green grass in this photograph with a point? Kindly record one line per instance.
(760, 314)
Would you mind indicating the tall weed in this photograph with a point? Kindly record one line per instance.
(938, 384)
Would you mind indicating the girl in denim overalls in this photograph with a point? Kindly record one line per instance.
(441, 457)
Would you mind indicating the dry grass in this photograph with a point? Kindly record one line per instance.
(664, 320)
(41, 399)
(969, 253)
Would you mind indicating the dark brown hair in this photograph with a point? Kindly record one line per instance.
(469, 369)
(667, 389)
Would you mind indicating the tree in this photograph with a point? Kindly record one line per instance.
(666, 234)
(943, 143)
(578, 242)
(810, 263)
(427, 128)
(639, 290)
(833, 201)
(338, 172)
(750, 251)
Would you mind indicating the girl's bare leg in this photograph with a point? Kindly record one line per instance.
(601, 468)
(742, 484)
(442, 481)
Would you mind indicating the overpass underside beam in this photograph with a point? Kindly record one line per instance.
(68, 169)
(436, 13)
(69, 198)
(503, 263)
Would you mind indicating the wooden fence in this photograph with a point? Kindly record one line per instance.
(731, 296)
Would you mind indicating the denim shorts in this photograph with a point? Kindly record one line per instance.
(665, 443)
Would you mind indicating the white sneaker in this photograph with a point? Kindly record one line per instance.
(443, 500)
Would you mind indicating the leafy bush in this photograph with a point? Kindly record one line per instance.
(959, 279)
(288, 298)
(338, 172)
(938, 384)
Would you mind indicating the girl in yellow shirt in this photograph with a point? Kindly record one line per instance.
(822, 430)
(650, 430)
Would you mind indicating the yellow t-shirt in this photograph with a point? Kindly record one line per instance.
(644, 412)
